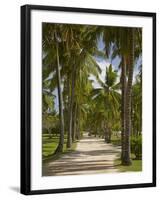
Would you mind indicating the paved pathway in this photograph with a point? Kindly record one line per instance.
(91, 156)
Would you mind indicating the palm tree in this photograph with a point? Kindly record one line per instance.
(107, 99)
(61, 140)
(134, 51)
(126, 155)
(115, 39)
(51, 40)
(83, 64)
(125, 40)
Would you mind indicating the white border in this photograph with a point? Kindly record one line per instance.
(41, 183)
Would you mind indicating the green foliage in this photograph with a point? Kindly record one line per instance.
(50, 123)
(111, 76)
(104, 111)
(136, 146)
(136, 116)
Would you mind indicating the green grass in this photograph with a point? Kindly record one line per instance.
(49, 146)
(136, 164)
(135, 167)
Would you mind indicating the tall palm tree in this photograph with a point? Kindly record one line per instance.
(51, 40)
(124, 40)
(83, 64)
(116, 40)
(126, 160)
(61, 140)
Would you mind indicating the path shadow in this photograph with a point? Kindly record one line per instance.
(84, 160)
(77, 166)
(97, 152)
(56, 171)
(76, 154)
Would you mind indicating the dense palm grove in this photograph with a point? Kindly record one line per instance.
(70, 69)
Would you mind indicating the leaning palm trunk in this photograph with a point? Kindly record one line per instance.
(123, 102)
(69, 138)
(61, 139)
(126, 158)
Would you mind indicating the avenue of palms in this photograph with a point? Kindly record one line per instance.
(78, 102)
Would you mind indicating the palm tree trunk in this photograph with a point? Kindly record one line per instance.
(126, 159)
(68, 104)
(61, 139)
(69, 138)
(74, 123)
(108, 134)
(77, 133)
(123, 102)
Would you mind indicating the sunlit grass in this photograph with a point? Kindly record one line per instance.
(136, 164)
(134, 167)
(49, 146)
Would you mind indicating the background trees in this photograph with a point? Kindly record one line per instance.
(107, 101)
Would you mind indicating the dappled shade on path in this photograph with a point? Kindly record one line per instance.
(91, 156)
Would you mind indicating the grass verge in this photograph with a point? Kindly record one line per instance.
(136, 164)
(135, 167)
(49, 146)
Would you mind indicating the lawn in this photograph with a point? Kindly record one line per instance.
(49, 146)
(135, 167)
(136, 164)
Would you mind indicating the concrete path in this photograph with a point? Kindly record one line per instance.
(91, 156)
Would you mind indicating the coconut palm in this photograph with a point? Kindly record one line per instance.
(51, 40)
(83, 64)
(127, 41)
(109, 97)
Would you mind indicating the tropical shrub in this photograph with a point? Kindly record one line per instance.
(136, 146)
